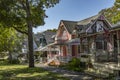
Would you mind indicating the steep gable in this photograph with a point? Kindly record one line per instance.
(83, 25)
(93, 24)
(69, 25)
(100, 25)
(48, 37)
(65, 29)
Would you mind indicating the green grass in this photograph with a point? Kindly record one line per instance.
(22, 72)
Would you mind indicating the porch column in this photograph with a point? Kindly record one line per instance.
(81, 50)
(94, 49)
(50, 52)
(88, 43)
(94, 44)
(118, 41)
(118, 44)
(69, 50)
(59, 50)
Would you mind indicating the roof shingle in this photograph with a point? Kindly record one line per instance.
(70, 25)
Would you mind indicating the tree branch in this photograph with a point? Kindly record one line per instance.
(23, 5)
(23, 32)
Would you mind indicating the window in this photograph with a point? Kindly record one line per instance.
(101, 45)
(99, 25)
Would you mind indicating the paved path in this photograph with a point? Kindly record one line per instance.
(66, 73)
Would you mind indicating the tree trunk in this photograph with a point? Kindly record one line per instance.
(10, 57)
(30, 43)
(30, 36)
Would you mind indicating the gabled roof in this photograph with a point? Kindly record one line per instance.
(88, 20)
(48, 36)
(69, 25)
(86, 23)
(83, 25)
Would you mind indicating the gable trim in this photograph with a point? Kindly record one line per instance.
(97, 20)
(61, 22)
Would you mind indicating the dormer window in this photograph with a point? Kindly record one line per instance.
(79, 27)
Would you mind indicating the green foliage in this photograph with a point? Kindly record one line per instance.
(53, 30)
(113, 13)
(14, 13)
(6, 61)
(22, 15)
(75, 62)
(10, 40)
(14, 61)
(76, 65)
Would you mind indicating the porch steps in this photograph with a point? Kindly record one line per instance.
(53, 62)
(50, 60)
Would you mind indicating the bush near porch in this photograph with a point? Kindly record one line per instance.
(76, 65)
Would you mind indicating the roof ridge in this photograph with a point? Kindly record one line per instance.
(69, 21)
(90, 17)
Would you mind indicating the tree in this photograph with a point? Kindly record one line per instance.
(10, 41)
(52, 30)
(22, 15)
(112, 13)
(116, 18)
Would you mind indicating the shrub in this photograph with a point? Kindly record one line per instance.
(14, 61)
(1, 59)
(75, 62)
(3, 62)
(76, 65)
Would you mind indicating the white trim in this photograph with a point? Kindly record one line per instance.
(90, 26)
(46, 48)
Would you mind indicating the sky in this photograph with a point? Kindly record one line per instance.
(72, 10)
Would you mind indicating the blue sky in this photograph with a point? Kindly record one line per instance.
(73, 10)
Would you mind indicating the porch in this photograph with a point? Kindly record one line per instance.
(104, 70)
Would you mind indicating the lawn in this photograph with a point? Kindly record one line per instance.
(22, 72)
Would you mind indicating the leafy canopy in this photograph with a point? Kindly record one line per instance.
(14, 13)
(113, 13)
(10, 40)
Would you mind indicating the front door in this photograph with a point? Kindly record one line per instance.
(74, 50)
(64, 51)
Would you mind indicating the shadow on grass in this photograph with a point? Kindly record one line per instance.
(22, 72)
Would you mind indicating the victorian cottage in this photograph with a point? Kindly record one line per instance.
(92, 36)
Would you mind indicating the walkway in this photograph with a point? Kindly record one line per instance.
(66, 73)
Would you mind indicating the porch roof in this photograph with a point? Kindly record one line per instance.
(116, 26)
(48, 48)
(75, 41)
